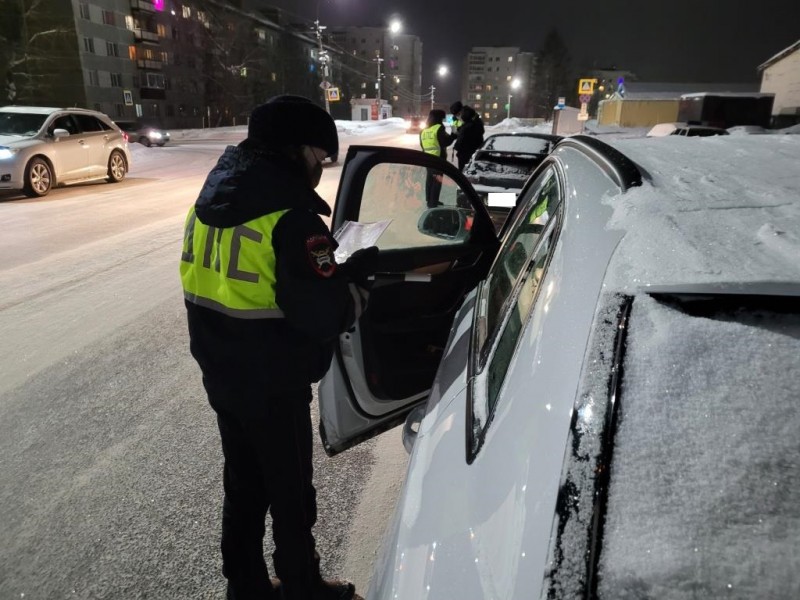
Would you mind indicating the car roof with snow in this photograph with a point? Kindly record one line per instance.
(699, 221)
(691, 377)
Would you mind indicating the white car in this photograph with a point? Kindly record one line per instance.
(603, 402)
(44, 147)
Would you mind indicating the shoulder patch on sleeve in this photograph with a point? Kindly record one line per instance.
(320, 255)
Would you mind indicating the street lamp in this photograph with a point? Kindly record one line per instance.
(395, 26)
(441, 72)
(514, 85)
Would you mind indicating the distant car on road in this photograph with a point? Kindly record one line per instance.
(147, 135)
(43, 147)
(415, 124)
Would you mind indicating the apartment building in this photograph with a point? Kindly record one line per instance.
(179, 63)
(495, 77)
(400, 67)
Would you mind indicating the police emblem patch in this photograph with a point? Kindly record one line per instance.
(320, 255)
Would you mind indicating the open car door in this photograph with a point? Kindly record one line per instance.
(436, 242)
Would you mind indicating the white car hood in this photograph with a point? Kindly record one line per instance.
(15, 141)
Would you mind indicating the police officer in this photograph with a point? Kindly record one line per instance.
(434, 139)
(455, 109)
(265, 300)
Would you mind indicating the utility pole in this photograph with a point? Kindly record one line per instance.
(378, 60)
(433, 89)
(323, 61)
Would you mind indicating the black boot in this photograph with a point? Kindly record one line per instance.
(321, 590)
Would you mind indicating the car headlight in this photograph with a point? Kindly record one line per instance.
(6, 153)
(155, 134)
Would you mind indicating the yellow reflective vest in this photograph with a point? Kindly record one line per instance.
(231, 269)
(429, 140)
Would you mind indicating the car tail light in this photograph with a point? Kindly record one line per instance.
(124, 136)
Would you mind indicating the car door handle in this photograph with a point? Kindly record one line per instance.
(82, 142)
(465, 262)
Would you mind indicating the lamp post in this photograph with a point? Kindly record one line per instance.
(441, 71)
(513, 86)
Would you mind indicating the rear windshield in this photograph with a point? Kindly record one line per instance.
(517, 143)
(705, 480)
(23, 124)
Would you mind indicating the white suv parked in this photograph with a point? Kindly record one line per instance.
(43, 147)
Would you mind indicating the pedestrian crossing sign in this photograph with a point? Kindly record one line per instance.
(332, 94)
(586, 86)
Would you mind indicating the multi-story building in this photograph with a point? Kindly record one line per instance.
(376, 62)
(181, 63)
(494, 77)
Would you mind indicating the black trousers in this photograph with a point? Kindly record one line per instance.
(433, 187)
(267, 444)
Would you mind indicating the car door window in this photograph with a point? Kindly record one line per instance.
(517, 316)
(88, 123)
(65, 122)
(542, 201)
(422, 206)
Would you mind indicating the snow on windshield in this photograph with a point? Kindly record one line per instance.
(517, 143)
(719, 209)
(704, 480)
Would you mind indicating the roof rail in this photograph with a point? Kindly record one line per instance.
(618, 166)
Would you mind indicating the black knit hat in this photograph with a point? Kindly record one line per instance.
(285, 121)
(456, 107)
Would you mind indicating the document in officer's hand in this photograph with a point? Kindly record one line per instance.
(352, 236)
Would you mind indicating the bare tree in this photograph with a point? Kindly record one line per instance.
(554, 75)
(38, 52)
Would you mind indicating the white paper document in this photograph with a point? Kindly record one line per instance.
(353, 236)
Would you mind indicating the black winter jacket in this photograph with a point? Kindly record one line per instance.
(278, 354)
(470, 134)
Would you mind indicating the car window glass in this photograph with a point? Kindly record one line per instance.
(88, 123)
(516, 251)
(518, 315)
(423, 207)
(12, 123)
(65, 122)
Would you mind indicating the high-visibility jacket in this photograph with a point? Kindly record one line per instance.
(231, 270)
(456, 124)
(265, 299)
(429, 140)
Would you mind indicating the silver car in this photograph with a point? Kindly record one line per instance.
(603, 398)
(43, 147)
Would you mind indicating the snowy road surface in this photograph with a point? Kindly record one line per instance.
(109, 454)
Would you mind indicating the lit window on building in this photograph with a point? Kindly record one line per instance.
(477, 96)
(164, 58)
(395, 98)
(510, 59)
(487, 116)
(274, 77)
(162, 30)
(132, 52)
(187, 12)
(508, 78)
(494, 106)
(129, 23)
(488, 88)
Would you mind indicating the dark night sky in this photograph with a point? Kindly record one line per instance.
(667, 41)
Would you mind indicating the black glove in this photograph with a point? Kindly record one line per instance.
(361, 264)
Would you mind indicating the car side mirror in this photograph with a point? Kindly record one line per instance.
(411, 427)
(60, 133)
(446, 223)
